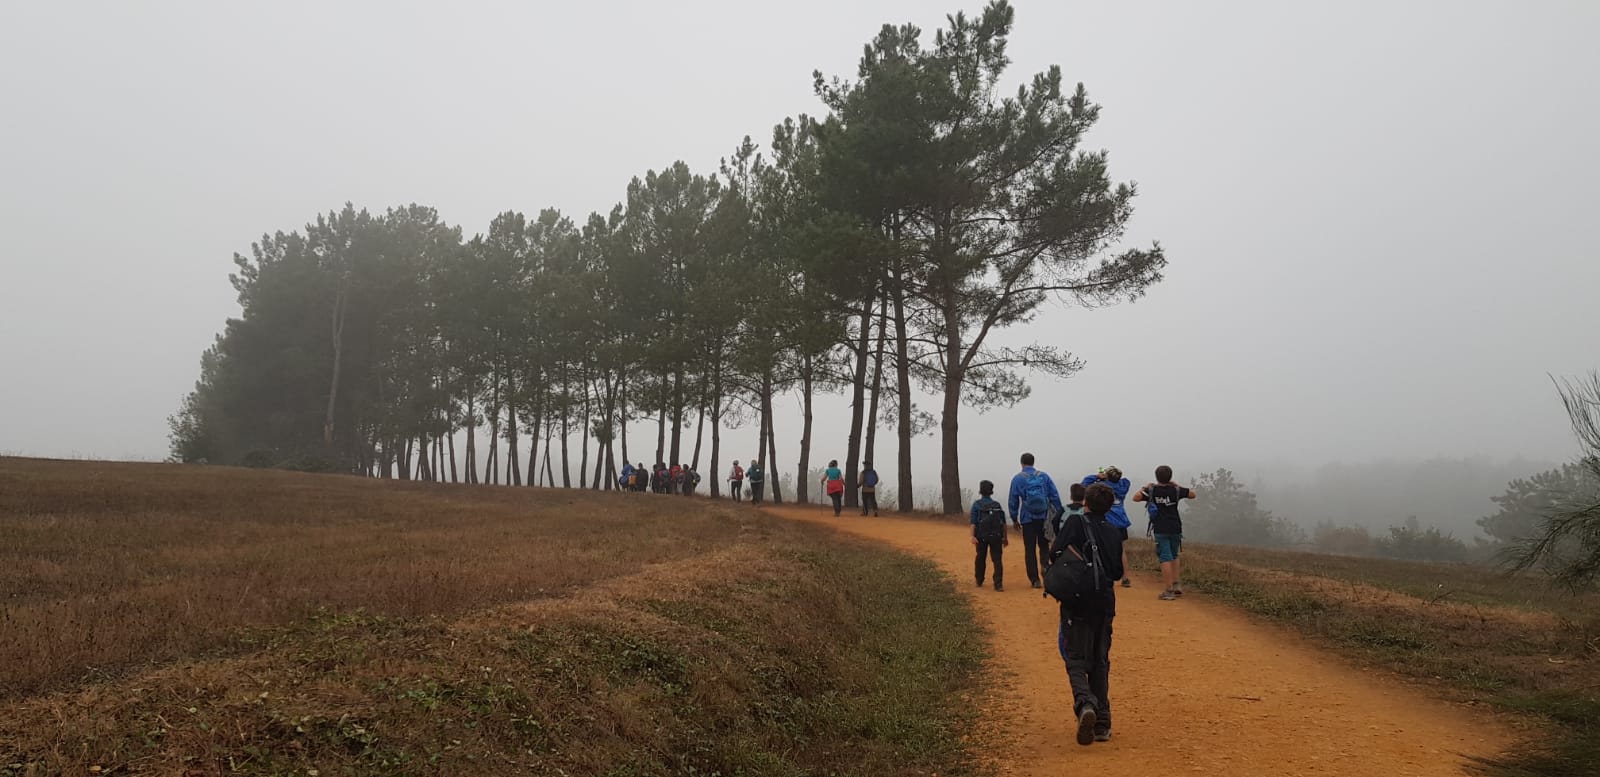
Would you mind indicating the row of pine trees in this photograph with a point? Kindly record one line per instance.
(875, 250)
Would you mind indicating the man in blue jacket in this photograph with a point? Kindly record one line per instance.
(1033, 496)
(1118, 516)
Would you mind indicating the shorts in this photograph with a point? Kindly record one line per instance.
(1167, 546)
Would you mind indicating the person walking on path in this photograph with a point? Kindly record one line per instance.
(1164, 496)
(1083, 636)
(988, 534)
(869, 489)
(736, 481)
(757, 478)
(1033, 496)
(833, 485)
(1118, 516)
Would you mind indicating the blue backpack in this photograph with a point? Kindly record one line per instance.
(871, 479)
(1034, 500)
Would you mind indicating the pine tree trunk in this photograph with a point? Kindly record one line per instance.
(949, 422)
(583, 434)
(472, 437)
(340, 303)
(699, 435)
(858, 405)
(772, 451)
(661, 436)
(902, 368)
(802, 484)
(549, 471)
(533, 442)
(513, 464)
(677, 418)
(716, 440)
(621, 417)
(869, 450)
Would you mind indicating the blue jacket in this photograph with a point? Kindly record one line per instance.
(1019, 487)
(1118, 516)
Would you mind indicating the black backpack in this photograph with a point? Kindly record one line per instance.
(1070, 577)
(991, 523)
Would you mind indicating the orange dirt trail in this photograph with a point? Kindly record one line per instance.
(1196, 687)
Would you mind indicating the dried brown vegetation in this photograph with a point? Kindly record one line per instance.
(182, 620)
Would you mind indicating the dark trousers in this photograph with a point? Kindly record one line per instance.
(1035, 548)
(1085, 643)
(838, 502)
(869, 502)
(989, 549)
(755, 492)
(734, 486)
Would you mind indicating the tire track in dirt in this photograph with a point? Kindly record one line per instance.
(1196, 687)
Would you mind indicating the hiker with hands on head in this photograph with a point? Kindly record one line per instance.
(1167, 525)
(1117, 516)
(1033, 496)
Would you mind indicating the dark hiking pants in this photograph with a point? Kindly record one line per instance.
(1035, 549)
(1085, 643)
(755, 492)
(869, 502)
(838, 503)
(990, 550)
(734, 487)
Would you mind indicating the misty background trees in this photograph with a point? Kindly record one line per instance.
(874, 250)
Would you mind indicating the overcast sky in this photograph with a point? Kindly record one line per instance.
(1380, 216)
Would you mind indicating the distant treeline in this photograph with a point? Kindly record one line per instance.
(873, 251)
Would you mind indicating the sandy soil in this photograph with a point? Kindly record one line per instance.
(1196, 687)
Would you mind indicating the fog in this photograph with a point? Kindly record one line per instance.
(1379, 216)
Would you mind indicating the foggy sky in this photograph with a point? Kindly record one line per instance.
(1379, 216)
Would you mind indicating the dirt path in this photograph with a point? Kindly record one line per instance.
(1196, 687)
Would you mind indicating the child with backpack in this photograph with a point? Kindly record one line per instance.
(869, 489)
(757, 478)
(988, 533)
(691, 480)
(1084, 634)
(833, 485)
(1052, 528)
(736, 480)
(1118, 517)
(1166, 525)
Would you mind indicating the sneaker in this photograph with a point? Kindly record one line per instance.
(1177, 589)
(1086, 721)
(1127, 582)
(1167, 596)
(1102, 736)
(1037, 584)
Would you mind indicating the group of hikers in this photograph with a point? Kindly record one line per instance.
(1075, 552)
(661, 479)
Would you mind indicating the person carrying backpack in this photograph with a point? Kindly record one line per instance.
(1118, 517)
(1052, 527)
(1167, 526)
(869, 489)
(625, 482)
(736, 480)
(757, 478)
(691, 480)
(1083, 636)
(988, 534)
(641, 479)
(1033, 496)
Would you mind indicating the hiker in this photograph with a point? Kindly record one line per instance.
(1033, 496)
(641, 478)
(869, 489)
(626, 481)
(833, 485)
(1052, 527)
(1118, 517)
(988, 534)
(691, 480)
(1163, 497)
(658, 479)
(1084, 634)
(757, 479)
(675, 479)
(736, 480)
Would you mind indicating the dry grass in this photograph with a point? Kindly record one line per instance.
(167, 620)
(1470, 632)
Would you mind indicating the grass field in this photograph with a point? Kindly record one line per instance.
(1472, 633)
(194, 620)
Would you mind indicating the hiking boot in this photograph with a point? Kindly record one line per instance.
(1167, 596)
(1037, 584)
(999, 587)
(1102, 736)
(1127, 582)
(1086, 721)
